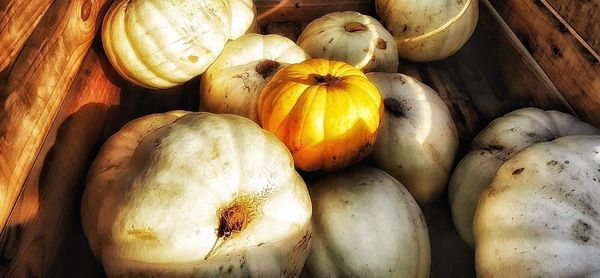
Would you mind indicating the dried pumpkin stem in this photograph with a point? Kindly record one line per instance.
(327, 80)
(267, 68)
(355, 27)
(231, 220)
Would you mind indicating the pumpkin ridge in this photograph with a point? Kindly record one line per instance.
(182, 69)
(135, 50)
(120, 66)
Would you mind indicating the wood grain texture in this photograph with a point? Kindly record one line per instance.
(572, 68)
(307, 10)
(34, 89)
(583, 16)
(48, 205)
(18, 19)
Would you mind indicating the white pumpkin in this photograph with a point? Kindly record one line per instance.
(351, 37)
(417, 140)
(232, 84)
(427, 30)
(500, 140)
(540, 216)
(366, 224)
(243, 15)
(160, 44)
(196, 194)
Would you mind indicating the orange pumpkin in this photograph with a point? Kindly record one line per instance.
(326, 112)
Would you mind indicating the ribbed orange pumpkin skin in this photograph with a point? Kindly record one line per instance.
(326, 112)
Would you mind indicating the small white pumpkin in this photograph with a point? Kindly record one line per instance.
(232, 84)
(427, 30)
(160, 44)
(366, 224)
(196, 194)
(499, 141)
(417, 140)
(540, 217)
(358, 40)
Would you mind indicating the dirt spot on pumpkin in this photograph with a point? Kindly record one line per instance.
(394, 106)
(559, 167)
(496, 190)
(582, 231)
(585, 203)
(193, 58)
(143, 234)
(518, 171)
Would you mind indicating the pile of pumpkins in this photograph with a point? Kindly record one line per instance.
(218, 192)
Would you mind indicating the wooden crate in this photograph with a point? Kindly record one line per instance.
(55, 112)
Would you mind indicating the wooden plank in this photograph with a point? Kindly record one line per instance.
(49, 203)
(307, 10)
(572, 68)
(583, 17)
(18, 19)
(34, 89)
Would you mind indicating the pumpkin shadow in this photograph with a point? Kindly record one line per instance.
(48, 239)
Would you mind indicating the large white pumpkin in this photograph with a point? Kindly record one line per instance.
(358, 40)
(160, 44)
(540, 216)
(196, 194)
(366, 224)
(417, 140)
(499, 141)
(427, 30)
(232, 84)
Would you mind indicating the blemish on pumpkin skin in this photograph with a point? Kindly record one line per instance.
(582, 231)
(193, 58)
(518, 171)
(143, 234)
(496, 190)
(394, 106)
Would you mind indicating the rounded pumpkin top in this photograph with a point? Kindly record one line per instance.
(232, 84)
(160, 44)
(540, 216)
(500, 140)
(412, 18)
(326, 112)
(354, 38)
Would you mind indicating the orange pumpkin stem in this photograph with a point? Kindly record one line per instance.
(328, 80)
(355, 27)
(267, 68)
